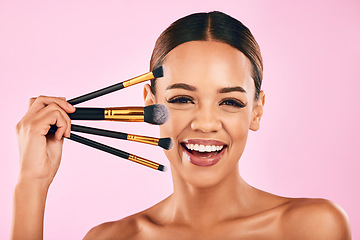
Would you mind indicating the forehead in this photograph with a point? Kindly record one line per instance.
(215, 63)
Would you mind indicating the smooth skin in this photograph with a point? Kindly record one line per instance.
(209, 92)
(40, 156)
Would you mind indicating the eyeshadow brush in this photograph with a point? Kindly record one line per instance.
(165, 143)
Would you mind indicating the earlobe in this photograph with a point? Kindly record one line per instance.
(149, 98)
(257, 112)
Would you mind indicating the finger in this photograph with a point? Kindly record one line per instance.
(67, 126)
(54, 115)
(31, 101)
(43, 101)
(67, 130)
(58, 119)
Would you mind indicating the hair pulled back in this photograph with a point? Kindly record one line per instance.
(212, 26)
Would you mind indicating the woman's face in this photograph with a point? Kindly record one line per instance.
(208, 89)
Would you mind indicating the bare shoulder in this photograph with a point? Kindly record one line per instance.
(129, 228)
(315, 219)
(126, 228)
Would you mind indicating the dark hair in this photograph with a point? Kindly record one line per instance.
(212, 26)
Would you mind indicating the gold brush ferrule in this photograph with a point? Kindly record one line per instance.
(143, 139)
(144, 161)
(126, 114)
(139, 79)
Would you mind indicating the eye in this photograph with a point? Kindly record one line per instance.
(181, 100)
(233, 102)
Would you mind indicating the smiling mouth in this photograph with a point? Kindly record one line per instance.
(203, 151)
(202, 154)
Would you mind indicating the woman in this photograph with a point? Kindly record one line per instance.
(212, 88)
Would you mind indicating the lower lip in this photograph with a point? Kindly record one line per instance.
(203, 162)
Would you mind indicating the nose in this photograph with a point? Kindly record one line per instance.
(206, 120)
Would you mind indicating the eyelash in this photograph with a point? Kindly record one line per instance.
(228, 102)
(233, 102)
(180, 100)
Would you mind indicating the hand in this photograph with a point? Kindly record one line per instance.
(40, 151)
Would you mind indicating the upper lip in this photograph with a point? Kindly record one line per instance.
(205, 142)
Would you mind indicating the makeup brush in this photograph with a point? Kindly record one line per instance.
(117, 152)
(158, 72)
(154, 114)
(165, 143)
(113, 151)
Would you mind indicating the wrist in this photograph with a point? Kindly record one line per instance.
(34, 184)
(28, 208)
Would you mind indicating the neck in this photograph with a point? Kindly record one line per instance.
(205, 206)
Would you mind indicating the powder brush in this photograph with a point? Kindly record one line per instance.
(154, 114)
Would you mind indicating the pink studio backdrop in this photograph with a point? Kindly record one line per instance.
(308, 145)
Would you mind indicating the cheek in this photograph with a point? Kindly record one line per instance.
(177, 122)
(236, 122)
(237, 127)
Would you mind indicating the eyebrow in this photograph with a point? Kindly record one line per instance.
(192, 88)
(232, 89)
(182, 86)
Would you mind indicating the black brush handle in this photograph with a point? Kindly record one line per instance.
(96, 93)
(108, 149)
(99, 132)
(93, 144)
(99, 146)
(87, 114)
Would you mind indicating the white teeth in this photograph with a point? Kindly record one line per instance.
(203, 148)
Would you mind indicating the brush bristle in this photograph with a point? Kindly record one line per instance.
(158, 72)
(162, 168)
(166, 143)
(156, 114)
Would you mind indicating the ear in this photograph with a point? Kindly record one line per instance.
(149, 98)
(257, 112)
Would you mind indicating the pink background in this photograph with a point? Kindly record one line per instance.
(308, 145)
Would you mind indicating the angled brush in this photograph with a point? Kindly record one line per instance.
(147, 76)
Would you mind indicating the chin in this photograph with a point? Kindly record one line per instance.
(200, 177)
(204, 180)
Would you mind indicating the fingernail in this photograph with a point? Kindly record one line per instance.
(71, 106)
